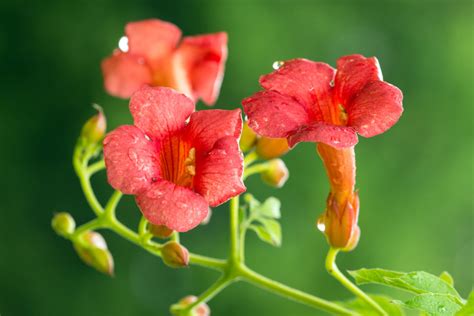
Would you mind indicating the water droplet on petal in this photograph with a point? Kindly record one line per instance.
(123, 44)
(331, 83)
(277, 64)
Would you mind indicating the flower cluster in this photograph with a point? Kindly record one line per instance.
(178, 162)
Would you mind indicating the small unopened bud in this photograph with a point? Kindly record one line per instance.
(248, 138)
(269, 148)
(276, 174)
(160, 231)
(175, 255)
(94, 129)
(200, 310)
(63, 224)
(92, 249)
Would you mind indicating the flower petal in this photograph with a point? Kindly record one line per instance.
(334, 135)
(307, 81)
(124, 74)
(273, 114)
(204, 58)
(153, 39)
(171, 205)
(206, 127)
(131, 160)
(353, 73)
(219, 172)
(160, 111)
(377, 108)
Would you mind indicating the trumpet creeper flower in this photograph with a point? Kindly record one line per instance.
(151, 53)
(310, 101)
(176, 162)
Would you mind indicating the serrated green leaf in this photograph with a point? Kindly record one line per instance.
(269, 231)
(270, 208)
(468, 308)
(433, 304)
(365, 309)
(446, 277)
(418, 282)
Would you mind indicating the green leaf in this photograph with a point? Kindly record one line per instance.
(433, 304)
(446, 277)
(468, 308)
(269, 231)
(270, 208)
(417, 282)
(365, 309)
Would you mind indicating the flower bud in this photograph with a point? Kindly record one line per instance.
(92, 249)
(269, 148)
(175, 255)
(63, 224)
(200, 310)
(276, 174)
(160, 231)
(94, 129)
(248, 138)
(339, 221)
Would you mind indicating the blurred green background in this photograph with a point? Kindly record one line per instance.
(415, 181)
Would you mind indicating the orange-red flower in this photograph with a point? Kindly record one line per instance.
(311, 101)
(151, 53)
(176, 162)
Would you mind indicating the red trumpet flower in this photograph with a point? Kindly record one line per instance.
(150, 54)
(177, 163)
(311, 101)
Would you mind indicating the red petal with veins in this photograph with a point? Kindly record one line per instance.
(176, 207)
(160, 111)
(131, 159)
(307, 81)
(334, 135)
(204, 58)
(219, 172)
(273, 114)
(153, 39)
(377, 108)
(124, 74)
(353, 73)
(206, 127)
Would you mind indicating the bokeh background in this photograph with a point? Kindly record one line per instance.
(415, 181)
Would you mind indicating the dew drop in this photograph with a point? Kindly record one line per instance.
(441, 308)
(123, 44)
(331, 83)
(277, 64)
(321, 226)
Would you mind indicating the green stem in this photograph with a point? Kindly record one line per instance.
(96, 167)
(258, 168)
(250, 158)
(334, 271)
(210, 293)
(291, 293)
(234, 230)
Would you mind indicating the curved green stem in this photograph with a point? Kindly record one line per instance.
(212, 291)
(258, 168)
(334, 271)
(291, 293)
(96, 167)
(250, 158)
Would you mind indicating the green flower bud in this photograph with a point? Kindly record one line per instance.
(276, 174)
(92, 249)
(63, 224)
(160, 231)
(94, 129)
(175, 255)
(200, 310)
